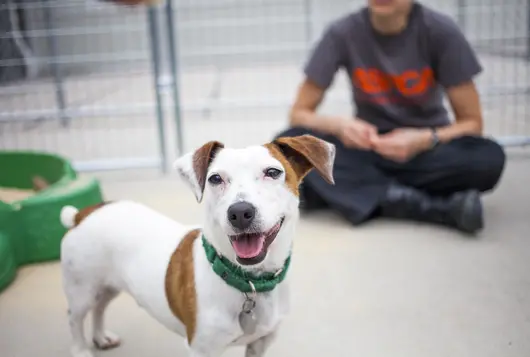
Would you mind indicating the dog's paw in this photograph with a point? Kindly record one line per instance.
(82, 353)
(107, 341)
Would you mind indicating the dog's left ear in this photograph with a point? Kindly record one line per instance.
(193, 166)
(306, 152)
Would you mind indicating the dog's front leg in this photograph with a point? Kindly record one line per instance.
(258, 347)
(203, 350)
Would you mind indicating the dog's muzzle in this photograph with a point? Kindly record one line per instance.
(251, 247)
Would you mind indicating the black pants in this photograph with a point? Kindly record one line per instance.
(362, 177)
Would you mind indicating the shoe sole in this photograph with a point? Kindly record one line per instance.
(471, 219)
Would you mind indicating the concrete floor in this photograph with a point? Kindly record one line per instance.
(384, 289)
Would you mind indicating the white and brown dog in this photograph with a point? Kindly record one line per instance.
(222, 285)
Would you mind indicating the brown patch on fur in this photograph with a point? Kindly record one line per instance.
(292, 178)
(299, 155)
(85, 212)
(180, 284)
(202, 158)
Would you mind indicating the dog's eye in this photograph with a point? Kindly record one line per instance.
(215, 179)
(272, 173)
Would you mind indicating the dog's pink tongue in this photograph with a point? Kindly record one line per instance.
(248, 247)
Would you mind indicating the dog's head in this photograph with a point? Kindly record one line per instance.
(251, 194)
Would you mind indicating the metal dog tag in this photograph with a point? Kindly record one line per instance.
(247, 317)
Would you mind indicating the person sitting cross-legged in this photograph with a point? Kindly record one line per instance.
(400, 155)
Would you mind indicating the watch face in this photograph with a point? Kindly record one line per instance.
(434, 139)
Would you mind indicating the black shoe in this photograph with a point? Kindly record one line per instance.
(462, 210)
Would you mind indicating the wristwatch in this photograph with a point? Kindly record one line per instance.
(435, 140)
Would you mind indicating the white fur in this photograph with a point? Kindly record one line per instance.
(332, 151)
(68, 215)
(184, 167)
(126, 246)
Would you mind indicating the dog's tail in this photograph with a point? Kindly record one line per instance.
(68, 214)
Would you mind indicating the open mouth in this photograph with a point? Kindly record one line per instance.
(251, 248)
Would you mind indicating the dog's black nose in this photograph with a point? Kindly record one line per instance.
(241, 215)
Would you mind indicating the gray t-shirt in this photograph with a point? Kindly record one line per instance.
(397, 80)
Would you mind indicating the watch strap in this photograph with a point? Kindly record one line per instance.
(435, 139)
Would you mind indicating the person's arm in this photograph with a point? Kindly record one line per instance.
(326, 59)
(456, 66)
(465, 103)
(303, 111)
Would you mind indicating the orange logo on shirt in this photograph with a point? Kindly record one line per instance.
(380, 87)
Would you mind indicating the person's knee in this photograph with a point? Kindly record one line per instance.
(487, 164)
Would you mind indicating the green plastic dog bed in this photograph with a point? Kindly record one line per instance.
(30, 227)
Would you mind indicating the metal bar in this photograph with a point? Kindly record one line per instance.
(196, 5)
(155, 61)
(173, 58)
(213, 94)
(308, 14)
(190, 6)
(31, 115)
(243, 22)
(221, 50)
(193, 25)
(528, 30)
(57, 75)
(461, 8)
(73, 31)
(117, 164)
(199, 106)
(83, 58)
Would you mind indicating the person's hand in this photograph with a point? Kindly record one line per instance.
(402, 144)
(356, 133)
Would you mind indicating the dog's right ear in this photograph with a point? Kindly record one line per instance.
(193, 167)
(305, 152)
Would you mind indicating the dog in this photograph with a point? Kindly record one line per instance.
(222, 285)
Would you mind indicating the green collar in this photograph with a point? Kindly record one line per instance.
(239, 279)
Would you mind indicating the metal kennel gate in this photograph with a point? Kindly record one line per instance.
(500, 33)
(261, 47)
(115, 87)
(90, 80)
